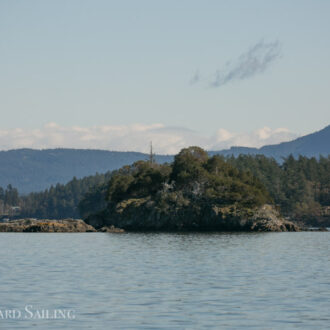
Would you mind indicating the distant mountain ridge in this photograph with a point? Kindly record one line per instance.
(311, 145)
(35, 170)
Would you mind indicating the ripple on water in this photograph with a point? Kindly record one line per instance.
(271, 280)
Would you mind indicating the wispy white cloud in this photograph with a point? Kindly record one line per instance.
(258, 138)
(166, 139)
(257, 59)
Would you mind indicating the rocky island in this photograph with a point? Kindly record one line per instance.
(54, 226)
(46, 226)
(194, 193)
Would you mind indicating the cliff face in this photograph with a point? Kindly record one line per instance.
(144, 214)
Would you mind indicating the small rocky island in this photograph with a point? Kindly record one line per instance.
(194, 193)
(53, 226)
(46, 226)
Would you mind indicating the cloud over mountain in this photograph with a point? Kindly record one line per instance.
(166, 139)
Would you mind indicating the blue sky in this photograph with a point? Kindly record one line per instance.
(119, 63)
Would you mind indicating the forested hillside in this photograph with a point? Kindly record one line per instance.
(300, 187)
(57, 202)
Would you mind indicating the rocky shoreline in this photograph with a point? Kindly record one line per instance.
(143, 216)
(46, 226)
(53, 226)
(265, 220)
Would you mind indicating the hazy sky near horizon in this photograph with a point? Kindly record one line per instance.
(203, 66)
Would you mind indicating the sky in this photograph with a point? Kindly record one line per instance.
(116, 74)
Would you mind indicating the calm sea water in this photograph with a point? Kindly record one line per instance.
(165, 281)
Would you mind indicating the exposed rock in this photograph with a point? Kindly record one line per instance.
(143, 214)
(322, 221)
(111, 229)
(46, 226)
(318, 229)
(268, 219)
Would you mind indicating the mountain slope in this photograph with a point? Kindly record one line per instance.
(35, 170)
(311, 145)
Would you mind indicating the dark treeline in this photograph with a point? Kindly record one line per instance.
(61, 201)
(299, 187)
(9, 200)
(57, 202)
